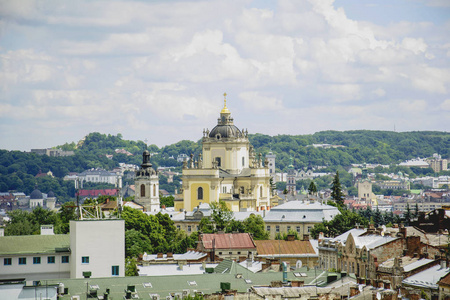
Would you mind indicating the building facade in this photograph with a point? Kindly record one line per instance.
(228, 170)
(146, 184)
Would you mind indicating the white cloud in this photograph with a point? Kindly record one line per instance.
(159, 68)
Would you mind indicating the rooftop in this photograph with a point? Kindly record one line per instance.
(34, 244)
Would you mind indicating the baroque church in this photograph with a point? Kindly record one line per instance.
(228, 169)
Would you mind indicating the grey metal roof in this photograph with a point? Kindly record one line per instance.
(301, 211)
(427, 278)
(416, 264)
(373, 241)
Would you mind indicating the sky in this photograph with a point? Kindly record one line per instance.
(157, 70)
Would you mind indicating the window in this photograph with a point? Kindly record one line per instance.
(224, 189)
(154, 190)
(115, 270)
(142, 190)
(277, 228)
(85, 259)
(22, 260)
(178, 227)
(51, 260)
(243, 161)
(309, 229)
(298, 229)
(7, 261)
(65, 259)
(36, 260)
(268, 228)
(219, 161)
(260, 191)
(220, 253)
(288, 228)
(189, 228)
(230, 252)
(200, 193)
(241, 190)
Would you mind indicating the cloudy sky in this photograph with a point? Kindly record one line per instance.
(157, 70)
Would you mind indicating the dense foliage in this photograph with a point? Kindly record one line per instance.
(18, 169)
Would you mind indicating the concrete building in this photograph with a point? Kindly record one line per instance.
(228, 170)
(437, 163)
(92, 249)
(35, 257)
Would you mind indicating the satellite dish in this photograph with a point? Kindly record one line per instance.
(299, 264)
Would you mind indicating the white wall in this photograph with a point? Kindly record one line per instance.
(103, 241)
(32, 271)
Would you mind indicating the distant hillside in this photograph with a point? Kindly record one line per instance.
(18, 169)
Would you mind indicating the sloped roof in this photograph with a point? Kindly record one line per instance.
(301, 211)
(445, 280)
(34, 244)
(427, 278)
(227, 241)
(279, 247)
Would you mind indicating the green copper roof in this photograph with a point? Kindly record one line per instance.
(34, 244)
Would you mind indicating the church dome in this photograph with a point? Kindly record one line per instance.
(36, 194)
(225, 131)
(50, 194)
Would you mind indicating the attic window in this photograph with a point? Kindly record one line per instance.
(192, 283)
(147, 284)
(304, 217)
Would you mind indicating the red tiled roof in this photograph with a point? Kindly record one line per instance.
(95, 193)
(270, 247)
(227, 241)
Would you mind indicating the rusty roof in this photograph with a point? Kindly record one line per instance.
(271, 247)
(445, 280)
(227, 241)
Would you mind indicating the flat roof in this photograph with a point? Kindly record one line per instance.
(34, 244)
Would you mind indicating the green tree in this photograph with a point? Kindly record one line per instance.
(206, 226)
(336, 191)
(255, 225)
(221, 215)
(131, 267)
(312, 189)
(408, 215)
(167, 201)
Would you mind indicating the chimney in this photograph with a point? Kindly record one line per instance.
(47, 230)
(443, 264)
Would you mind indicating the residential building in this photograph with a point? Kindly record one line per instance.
(233, 246)
(444, 287)
(437, 163)
(298, 216)
(35, 257)
(98, 176)
(94, 248)
(294, 252)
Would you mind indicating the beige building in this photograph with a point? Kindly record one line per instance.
(365, 190)
(227, 170)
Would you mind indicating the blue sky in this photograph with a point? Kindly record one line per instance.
(157, 70)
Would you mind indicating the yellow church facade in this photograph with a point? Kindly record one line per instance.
(227, 170)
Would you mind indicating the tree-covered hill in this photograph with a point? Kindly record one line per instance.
(18, 169)
(360, 146)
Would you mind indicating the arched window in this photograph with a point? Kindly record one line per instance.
(154, 190)
(241, 190)
(142, 190)
(219, 161)
(200, 193)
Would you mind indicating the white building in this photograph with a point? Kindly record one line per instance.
(98, 176)
(95, 246)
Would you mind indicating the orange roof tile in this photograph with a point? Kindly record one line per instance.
(227, 241)
(269, 247)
